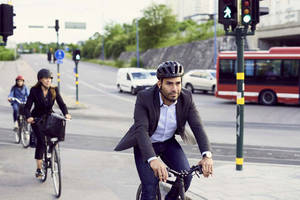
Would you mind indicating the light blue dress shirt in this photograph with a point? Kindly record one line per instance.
(167, 123)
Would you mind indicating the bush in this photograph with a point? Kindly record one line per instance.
(133, 62)
(119, 63)
(7, 54)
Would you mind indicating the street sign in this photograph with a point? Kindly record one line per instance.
(59, 61)
(59, 54)
(75, 25)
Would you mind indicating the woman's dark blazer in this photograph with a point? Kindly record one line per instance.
(41, 105)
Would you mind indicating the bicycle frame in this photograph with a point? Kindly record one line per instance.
(178, 183)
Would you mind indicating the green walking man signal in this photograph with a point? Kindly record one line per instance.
(227, 13)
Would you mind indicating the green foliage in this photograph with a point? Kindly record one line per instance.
(115, 63)
(119, 63)
(133, 62)
(6, 54)
(156, 25)
(157, 28)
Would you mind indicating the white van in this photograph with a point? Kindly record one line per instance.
(134, 79)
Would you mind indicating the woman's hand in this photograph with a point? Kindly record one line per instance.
(68, 116)
(30, 120)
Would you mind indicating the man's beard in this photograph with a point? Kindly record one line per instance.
(166, 96)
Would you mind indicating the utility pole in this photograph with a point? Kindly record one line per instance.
(215, 34)
(137, 44)
(57, 47)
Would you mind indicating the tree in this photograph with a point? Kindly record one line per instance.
(156, 25)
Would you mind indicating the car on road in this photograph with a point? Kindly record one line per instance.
(200, 80)
(134, 80)
(153, 74)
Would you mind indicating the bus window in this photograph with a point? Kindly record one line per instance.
(249, 68)
(291, 72)
(268, 70)
(227, 71)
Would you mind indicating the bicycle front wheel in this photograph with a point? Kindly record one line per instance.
(139, 193)
(25, 134)
(56, 171)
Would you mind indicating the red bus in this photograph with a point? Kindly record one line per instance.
(270, 76)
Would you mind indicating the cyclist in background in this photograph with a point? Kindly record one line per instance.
(21, 92)
(43, 95)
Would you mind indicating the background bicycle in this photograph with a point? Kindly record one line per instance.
(178, 182)
(22, 134)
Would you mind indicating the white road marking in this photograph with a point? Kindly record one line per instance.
(108, 86)
(105, 92)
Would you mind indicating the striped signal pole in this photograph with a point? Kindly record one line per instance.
(76, 76)
(240, 99)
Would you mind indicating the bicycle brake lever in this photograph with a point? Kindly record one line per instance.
(197, 173)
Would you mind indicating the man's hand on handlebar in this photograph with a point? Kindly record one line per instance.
(207, 166)
(159, 169)
(9, 100)
(30, 120)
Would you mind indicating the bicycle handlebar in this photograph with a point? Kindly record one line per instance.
(38, 119)
(184, 173)
(17, 100)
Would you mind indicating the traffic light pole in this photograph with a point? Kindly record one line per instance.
(76, 75)
(240, 100)
(58, 73)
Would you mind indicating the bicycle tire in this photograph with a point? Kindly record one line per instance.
(56, 171)
(44, 166)
(139, 193)
(18, 135)
(25, 134)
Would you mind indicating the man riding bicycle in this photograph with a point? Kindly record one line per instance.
(20, 92)
(161, 112)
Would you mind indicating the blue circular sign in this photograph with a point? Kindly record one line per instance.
(59, 54)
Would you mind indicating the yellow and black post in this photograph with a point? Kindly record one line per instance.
(76, 59)
(76, 77)
(240, 100)
(57, 47)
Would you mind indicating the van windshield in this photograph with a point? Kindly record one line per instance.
(140, 75)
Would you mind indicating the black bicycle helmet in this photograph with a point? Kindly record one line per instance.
(44, 73)
(169, 69)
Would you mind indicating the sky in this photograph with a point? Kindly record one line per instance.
(95, 13)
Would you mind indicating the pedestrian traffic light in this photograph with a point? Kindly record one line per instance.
(228, 13)
(247, 12)
(56, 25)
(6, 21)
(76, 55)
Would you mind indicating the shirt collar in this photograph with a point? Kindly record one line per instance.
(162, 103)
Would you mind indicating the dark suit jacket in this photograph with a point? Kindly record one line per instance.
(41, 106)
(146, 117)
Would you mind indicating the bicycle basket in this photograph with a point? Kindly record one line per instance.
(54, 126)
